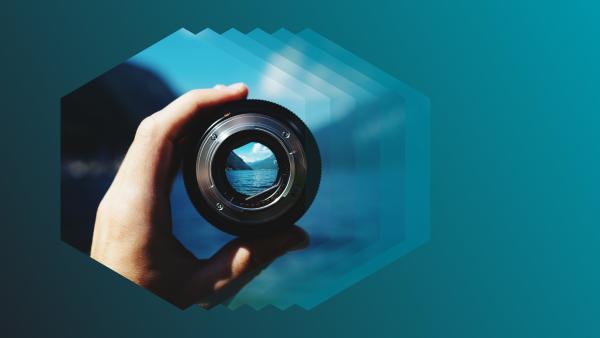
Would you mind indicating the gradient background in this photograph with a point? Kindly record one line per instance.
(515, 93)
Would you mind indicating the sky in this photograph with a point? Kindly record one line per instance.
(186, 61)
(252, 152)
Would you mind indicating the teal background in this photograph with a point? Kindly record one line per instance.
(514, 88)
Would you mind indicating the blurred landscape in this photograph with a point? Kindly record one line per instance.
(344, 222)
(251, 168)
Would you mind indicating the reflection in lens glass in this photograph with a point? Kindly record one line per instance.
(251, 168)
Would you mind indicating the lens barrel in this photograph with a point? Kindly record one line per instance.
(223, 129)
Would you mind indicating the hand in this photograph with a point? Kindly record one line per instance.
(133, 234)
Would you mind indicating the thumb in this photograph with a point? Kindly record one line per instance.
(238, 262)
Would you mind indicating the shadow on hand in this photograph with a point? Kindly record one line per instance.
(242, 259)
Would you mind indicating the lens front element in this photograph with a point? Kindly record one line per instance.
(251, 169)
(255, 168)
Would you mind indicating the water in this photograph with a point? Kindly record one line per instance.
(337, 239)
(250, 182)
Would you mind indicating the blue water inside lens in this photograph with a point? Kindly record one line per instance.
(251, 182)
(251, 168)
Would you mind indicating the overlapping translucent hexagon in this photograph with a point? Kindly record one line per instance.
(372, 131)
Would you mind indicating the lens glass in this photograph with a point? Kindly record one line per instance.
(251, 169)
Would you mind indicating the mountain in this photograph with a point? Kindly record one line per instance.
(99, 119)
(235, 162)
(267, 163)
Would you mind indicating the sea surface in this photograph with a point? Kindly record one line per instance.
(343, 225)
(250, 182)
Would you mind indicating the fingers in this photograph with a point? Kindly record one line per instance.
(238, 262)
(170, 122)
(152, 159)
(174, 117)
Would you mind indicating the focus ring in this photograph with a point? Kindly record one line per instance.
(222, 129)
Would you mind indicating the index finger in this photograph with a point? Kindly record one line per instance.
(175, 116)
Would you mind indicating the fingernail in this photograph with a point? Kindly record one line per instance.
(301, 244)
(296, 242)
(236, 87)
(219, 86)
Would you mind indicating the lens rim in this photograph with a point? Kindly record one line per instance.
(222, 183)
(258, 124)
(303, 156)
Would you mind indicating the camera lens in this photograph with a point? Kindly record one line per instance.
(254, 167)
(251, 169)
